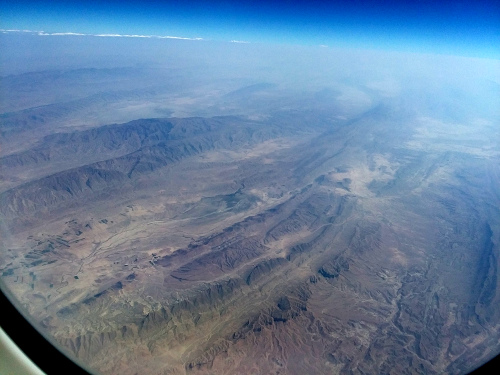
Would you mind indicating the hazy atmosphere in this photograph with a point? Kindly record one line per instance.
(254, 189)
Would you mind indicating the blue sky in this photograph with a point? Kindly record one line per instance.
(455, 27)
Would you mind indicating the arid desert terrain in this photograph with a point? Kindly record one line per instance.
(183, 219)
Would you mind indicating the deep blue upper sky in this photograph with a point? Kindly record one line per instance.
(456, 27)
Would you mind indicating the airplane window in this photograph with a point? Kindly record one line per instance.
(251, 188)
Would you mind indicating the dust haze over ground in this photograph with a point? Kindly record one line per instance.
(202, 207)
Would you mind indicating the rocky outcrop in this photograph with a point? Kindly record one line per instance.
(263, 268)
(334, 267)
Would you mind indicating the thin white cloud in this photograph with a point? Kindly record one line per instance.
(16, 31)
(239, 41)
(177, 37)
(107, 35)
(43, 33)
(145, 36)
(67, 34)
(138, 36)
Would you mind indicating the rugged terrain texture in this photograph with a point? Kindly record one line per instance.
(290, 244)
(169, 207)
